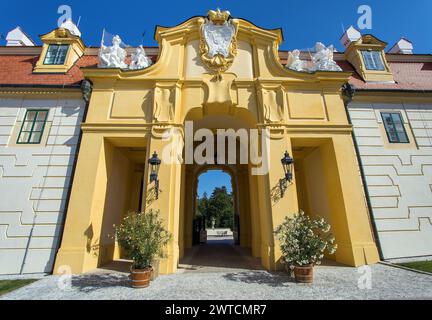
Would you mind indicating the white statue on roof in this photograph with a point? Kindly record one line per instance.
(71, 26)
(323, 59)
(294, 61)
(113, 56)
(140, 59)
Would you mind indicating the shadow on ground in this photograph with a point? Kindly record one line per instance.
(93, 282)
(275, 280)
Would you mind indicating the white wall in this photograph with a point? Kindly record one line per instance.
(34, 184)
(399, 180)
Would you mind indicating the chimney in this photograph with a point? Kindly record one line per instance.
(18, 38)
(403, 46)
(351, 35)
(72, 27)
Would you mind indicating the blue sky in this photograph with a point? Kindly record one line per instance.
(303, 22)
(210, 180)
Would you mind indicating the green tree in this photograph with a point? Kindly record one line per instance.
(220, 208)
(202, 206)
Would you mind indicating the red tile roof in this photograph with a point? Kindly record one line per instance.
(407, 76)
(18, 70)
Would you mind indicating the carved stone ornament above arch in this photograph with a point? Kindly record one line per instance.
(218, 40)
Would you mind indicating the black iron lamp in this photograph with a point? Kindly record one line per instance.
(155, 163)
(287, 163)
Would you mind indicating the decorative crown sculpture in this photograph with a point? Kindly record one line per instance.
(218, 17)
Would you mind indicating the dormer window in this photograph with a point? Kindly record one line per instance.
(369, 60)
(56, 54)
(61, 50)
(372, 60)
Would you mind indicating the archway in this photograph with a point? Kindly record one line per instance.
(244, 237)
(216, 219)
(226, 246)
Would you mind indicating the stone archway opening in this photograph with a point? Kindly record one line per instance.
(236, 242)
(216, 218)
(222, 243)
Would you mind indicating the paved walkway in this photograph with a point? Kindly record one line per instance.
(225, 272)
(219, 255)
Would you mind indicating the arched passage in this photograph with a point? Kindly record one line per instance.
(235, 133)
(233, 250)
(216, 216)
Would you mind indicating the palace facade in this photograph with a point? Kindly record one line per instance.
(77, 129)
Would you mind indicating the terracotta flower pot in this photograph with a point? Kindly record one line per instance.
(141, 277)
(304, 274)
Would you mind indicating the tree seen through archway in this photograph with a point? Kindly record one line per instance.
(219, 206)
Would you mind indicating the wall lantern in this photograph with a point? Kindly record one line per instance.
(287, 163)
(155, 163)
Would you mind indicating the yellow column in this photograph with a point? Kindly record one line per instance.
(350, 221)
(168, 203)
(255, 222)
(245, 212)
(183, 209)
(189, 205)
(274, 208)
(80, 245)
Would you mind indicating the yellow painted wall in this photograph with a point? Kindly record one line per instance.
(314, 183)
(117, 203)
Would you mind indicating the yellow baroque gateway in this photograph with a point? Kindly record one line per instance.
(234, 80)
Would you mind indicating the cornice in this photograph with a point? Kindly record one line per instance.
(321, 127)
(38, 89)
(20, 51)
(393, 95)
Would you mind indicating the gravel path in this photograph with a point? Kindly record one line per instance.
(332, 282)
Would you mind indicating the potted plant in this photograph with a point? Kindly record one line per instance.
(143, 237)
(303, 242)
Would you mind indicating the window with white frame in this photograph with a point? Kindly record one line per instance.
(373, 60)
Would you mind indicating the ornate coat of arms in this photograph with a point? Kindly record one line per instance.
(218, 45)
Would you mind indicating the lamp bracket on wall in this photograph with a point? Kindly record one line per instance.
(155, 163)
(287, 164)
